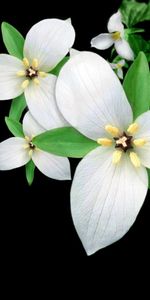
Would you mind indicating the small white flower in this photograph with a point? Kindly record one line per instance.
(118, 67)
(16, 152)
(115, 36)
(110, 182)
(46, 44)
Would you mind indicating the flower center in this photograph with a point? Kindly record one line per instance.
(123, 142)
(29, 146)
(116, 36)
(31, 73)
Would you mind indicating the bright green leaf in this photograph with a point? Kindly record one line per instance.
(136, 85)
(57, 69)
(17, 107)
(133, 30)
(134, 12)
(30, 167)
(14, 127)
(13, 40)
(65, 141)
(148, 172)
(138, 44)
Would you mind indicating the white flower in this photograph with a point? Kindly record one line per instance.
(118, 67)
(46, 44)
(16, 152)
(115, 36)
(110, 182)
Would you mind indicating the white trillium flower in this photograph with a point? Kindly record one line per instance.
(16, 152)
(46, 44)
(111, 181)
(118, 67)
(114, 37)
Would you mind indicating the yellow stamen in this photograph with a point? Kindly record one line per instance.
(114, 131)
(36, 81)
(26, 146)
(116, 36)
(119, 66)
(135, 159)
(35, 63)
(133, 128)
(25, 83)
(104, 142)
(27, 138)
(42, 74)
(21, 73)
(26, 62)
(30, 152)
(116, 156)
(139, 142)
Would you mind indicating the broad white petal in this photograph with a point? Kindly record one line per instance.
(124, 50)
(106, 198)
(12, 153)
(49, 41)
(10, 84)
(53, 166)
(144, 133)
(115, 24)
(30, 126)
(42, 104)
(120, 73)
(90, 95)
(102, 41)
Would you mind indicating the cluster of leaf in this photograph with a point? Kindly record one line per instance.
(133, 13)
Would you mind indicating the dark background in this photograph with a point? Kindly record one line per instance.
(37, 233)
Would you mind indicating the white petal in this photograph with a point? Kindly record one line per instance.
(49, 41)
(90, 95)
(30, 126)
(106, 198)
(53, 166)
(144, 133)
(120, 73)
(10, 84)
(73, 52)
(42, 104)
(12, 153)
(102, 41)
(114, 66)
(124, 50)
(115, 24)
(121, 62)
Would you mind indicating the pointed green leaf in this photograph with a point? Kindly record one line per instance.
(17, 107)
(13, 40)
(136, 85)
(29, 168)
(65, 141)
(57, 69)
(14, 127)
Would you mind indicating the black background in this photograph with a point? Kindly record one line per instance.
(37, 233)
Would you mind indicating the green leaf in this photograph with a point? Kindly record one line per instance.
(148, 172)
(57, 69)
(29, 168)
(136, 85)
(138, 44)
(134, 12)
(133, 30)
(65, 141)
(14, 127)
(17, 107)
(13, 40)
